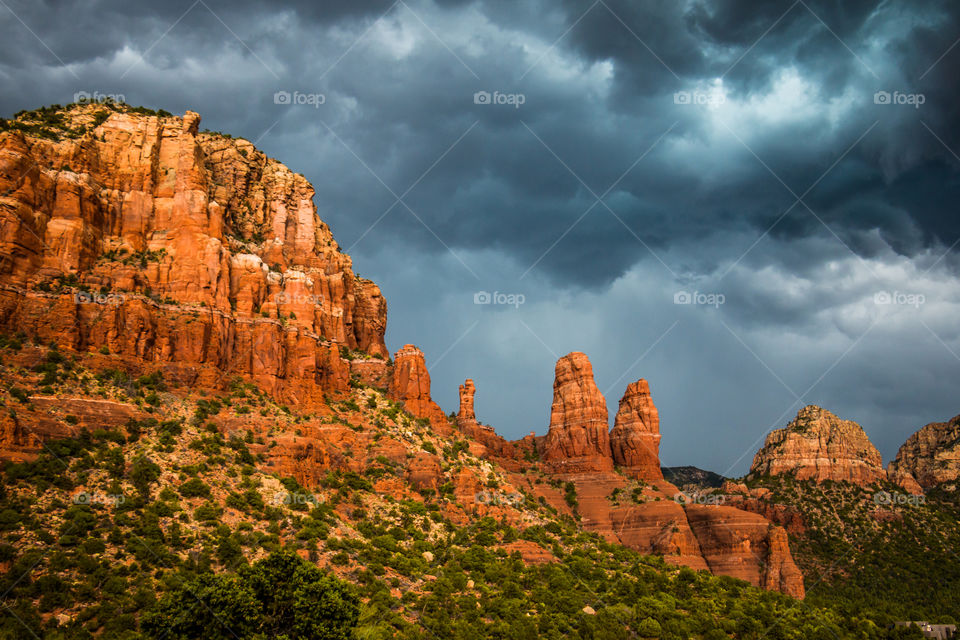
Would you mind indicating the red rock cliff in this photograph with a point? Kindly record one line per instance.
(635, 439)
(578, 440)
(190, 250)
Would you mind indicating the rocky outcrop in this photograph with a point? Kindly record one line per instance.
(485, 435)
(635, 439)
(466, 415)
(192, 251)
(780, 571)
(410, 384)
(746, 546)
(929, 457)
(578, 440)
(817, 445)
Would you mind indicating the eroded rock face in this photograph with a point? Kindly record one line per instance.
(817, 445)
(410, 384)
(930, 456)
(199, 253)
(635, 439)
(578, 440)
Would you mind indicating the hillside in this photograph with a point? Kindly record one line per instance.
(160, 484)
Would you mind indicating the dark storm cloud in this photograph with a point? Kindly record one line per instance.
(694, 197)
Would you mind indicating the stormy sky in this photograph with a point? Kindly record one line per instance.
(787, 169)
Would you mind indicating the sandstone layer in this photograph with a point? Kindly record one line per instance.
(819, 446)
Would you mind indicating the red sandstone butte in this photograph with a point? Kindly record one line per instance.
(578, 440)
(410, 384)
(635, 439)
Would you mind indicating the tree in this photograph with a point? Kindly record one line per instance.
(214, 607)
(143, 473)
(279, 597)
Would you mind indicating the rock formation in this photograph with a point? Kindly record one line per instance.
(410, 385)
(188, 250)
(721, 539)
(929, 457)
(467, 423)
(817, 445)
(578, 440)
(635, 439)
(465, 415)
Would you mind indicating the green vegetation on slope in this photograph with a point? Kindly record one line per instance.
(876, 552)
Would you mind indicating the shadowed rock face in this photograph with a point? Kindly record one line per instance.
(578, 439)
(209, 256)
(635, 439)
(929, 457)
(817, 445)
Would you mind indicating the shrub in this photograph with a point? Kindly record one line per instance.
(195, 488)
